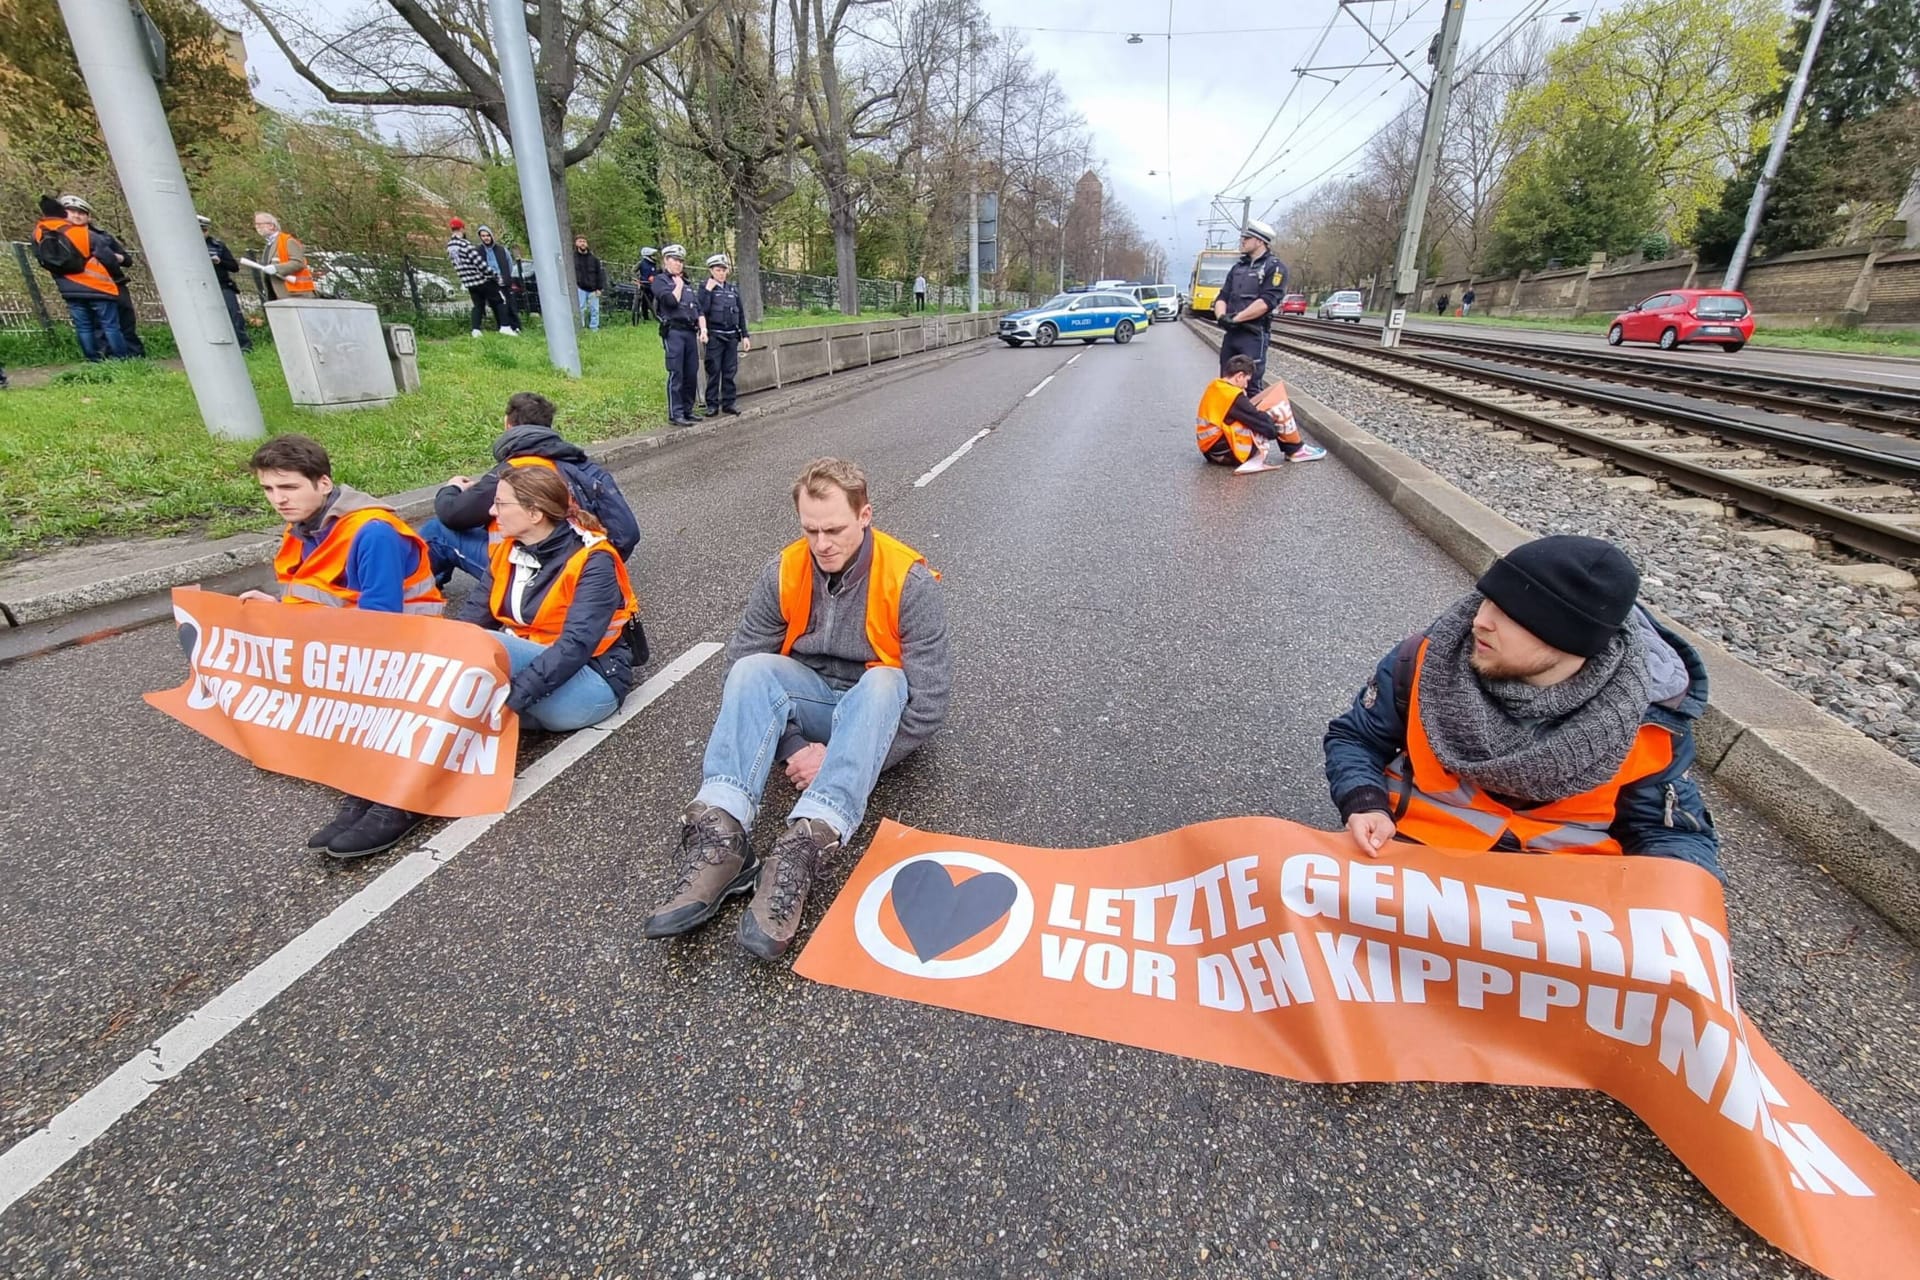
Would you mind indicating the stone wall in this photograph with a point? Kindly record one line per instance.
(1894, 296)
(781, 357)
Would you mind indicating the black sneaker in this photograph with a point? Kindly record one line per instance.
(352, 809)
(731, 411)
(780, 896)
(379, 829)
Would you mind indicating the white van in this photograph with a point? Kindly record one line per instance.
(1342, 304)
(1160, 301)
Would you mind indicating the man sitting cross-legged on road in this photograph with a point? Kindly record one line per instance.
(1233, 427)
(840, 668)
(1543, 713)
(345, 550)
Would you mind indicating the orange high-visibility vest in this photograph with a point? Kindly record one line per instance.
(1210, 425)
(494, 535)
(300, 281)
(1436, 808)
(550, 619)
(321, 578)
(886, 580)
(91, 273)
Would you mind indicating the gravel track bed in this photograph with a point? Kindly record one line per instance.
(1853, 649)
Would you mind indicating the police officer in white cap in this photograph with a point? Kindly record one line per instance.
(677, 303)
(723, 327)
(1249, 299)
(224, 266)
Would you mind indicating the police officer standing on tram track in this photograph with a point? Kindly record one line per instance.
(677, 303)
(1249, 298)
(723, 327)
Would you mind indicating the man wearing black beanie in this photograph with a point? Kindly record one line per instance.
(1543, 713)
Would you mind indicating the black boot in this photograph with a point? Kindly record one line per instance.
(352, 809)
(379, 829)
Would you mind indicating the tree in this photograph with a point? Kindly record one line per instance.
(1849, 154)
(439, 54)
(1590, 190)
(1682, 74)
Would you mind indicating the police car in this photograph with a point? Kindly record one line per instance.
(1086, 316)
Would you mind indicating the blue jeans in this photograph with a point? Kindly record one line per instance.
(451, 549)
(586, 698)
(589, 308)
(96, 323)
(765, 695)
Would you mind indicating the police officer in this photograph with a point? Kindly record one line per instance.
(1249, 298)
(677, 303)
(224, 265)
(643, 273)
(723, 327)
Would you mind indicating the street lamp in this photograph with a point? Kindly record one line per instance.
(1135, 39)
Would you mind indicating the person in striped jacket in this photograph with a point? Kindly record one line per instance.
(478, 278)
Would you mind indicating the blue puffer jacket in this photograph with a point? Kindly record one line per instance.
(1660, 816)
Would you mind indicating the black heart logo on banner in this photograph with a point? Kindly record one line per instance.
(938, 914)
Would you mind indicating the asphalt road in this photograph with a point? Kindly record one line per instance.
(1898, 373)
(500, 1077)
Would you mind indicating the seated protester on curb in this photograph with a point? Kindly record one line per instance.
(840, 669)
(345, 550)
(558, 595)
(461, 533)
(1544, 713)
(1233, 427)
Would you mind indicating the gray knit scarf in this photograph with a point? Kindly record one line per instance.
(1528, 742)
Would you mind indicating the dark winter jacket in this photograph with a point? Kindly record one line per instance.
(594, 601)
(587, 271)
(105, 250)
(469, 508)
(684, 314)
(1660, 816)
(499, 260)
(224, 263)
(466, 259)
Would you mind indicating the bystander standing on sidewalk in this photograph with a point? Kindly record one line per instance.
(77, 256)
(224, 265)
(589, 278)
(476, 277)
(499, 260)
(919, 293)
(1466, 302)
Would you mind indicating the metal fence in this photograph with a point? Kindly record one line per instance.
(408, 287)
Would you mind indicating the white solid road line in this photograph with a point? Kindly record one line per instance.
(1044, 381)
(953, 457)
(36, 1157)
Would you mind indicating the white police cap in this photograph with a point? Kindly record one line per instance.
(675, 251)
(718, 260)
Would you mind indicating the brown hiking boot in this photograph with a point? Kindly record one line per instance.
(714, 865)
(781, 894)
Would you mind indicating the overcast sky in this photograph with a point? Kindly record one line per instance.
(1169, 153)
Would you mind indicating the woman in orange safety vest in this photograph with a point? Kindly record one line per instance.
(558, 594)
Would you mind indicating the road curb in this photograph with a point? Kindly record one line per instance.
(1851, 804)
(64, 595)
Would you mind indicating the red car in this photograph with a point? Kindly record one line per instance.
(1294, 304)
(1718, 317)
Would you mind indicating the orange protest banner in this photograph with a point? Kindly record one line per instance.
(402, 709)
(1267, 945)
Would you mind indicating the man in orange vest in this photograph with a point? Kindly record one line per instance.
(1543, 713)
(343, 549)
(283, 260)
(89, 289)
(1238, 430)
(840, 668)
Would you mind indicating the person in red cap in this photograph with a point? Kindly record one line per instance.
(1545, 712)
(478, 278)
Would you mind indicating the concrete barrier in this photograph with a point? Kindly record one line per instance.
(782, 357)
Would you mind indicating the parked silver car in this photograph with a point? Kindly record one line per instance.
(1341, 304)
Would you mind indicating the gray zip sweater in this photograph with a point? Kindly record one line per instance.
(835, 642)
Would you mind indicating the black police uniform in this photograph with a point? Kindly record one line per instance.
(224, 265)
(726, 325)
(679, 327)
(1261, 279)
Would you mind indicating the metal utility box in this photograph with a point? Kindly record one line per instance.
(332, 352)
(404, 356)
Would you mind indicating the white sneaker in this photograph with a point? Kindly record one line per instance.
(476, 333)
(511, 333)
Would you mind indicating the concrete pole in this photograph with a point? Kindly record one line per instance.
(118, 66)
(1406, 272)
(1778, 151)
(514, 48)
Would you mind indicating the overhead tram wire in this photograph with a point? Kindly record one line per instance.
(1275, 117)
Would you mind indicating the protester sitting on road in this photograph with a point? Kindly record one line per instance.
(558, 595)
(82, 259)
(462, 531)
(1545, 712)
(345, 550)
(1234, 427)
(840, 669)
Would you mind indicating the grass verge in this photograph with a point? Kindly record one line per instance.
(119, 448)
